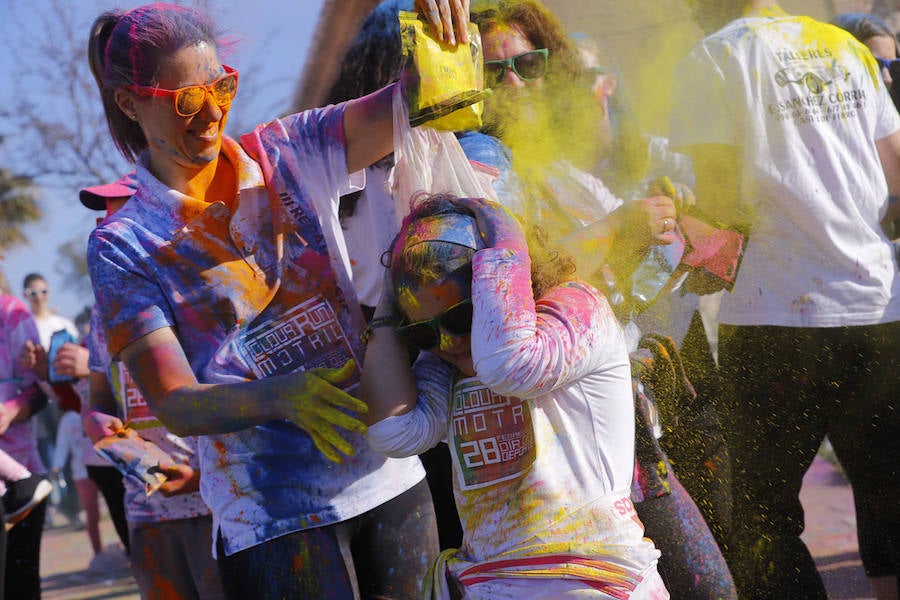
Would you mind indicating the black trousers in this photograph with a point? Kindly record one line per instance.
(785, 389)
(22, 579)
(109, 482)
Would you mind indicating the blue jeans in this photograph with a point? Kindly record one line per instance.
(383, 553)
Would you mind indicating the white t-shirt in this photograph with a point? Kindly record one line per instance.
(583, 196)
(369, 233)
(71, 441)
(50, 325)
(805, 103)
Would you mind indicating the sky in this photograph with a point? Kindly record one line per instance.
(272, 36)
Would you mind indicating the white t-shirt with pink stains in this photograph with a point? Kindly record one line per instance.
(542, 440)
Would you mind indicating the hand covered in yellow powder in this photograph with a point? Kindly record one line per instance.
(681, 194)
(314, 404)
(645, 222)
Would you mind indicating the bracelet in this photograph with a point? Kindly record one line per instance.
(375, 324)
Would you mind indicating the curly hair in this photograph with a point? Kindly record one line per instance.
(538, 25)
(540, 125)
(375, 57)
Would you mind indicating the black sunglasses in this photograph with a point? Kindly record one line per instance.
(425, 335)
(528, 65)
(892, 66)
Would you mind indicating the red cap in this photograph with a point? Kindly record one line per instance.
(95, 197)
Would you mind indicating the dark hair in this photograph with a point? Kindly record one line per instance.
(435, 261)
(864, 26)
(127, 48)
(31, 278)
(83, 318)
(375, 58)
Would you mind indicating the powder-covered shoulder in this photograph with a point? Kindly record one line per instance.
(116, 233)
(306, 150)
(572, 332)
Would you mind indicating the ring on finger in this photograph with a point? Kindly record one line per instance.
(666, 227)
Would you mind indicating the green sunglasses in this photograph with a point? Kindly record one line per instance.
(528, 65)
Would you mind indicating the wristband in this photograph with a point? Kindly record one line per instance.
(375, 324)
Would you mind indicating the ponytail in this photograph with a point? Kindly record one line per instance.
(126, 133)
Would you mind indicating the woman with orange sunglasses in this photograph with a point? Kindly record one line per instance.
(223, 286)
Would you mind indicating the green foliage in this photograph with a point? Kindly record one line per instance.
(18, 207)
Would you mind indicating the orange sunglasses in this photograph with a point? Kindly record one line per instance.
(189, 100)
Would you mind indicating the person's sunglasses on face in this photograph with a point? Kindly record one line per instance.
(528, 65)
(34, 293)
(190, 100)
(892, 66)
(425, 335)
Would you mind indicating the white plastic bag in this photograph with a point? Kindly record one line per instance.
(428, 162)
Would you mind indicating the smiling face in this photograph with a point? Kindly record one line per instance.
(426, 302)
(180, 146)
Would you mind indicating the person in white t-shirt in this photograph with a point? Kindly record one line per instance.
(223, 285)
(37, 293)
(796, 143)
(525, 373)
(74, 448)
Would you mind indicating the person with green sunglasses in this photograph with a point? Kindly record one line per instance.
(531, 64)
